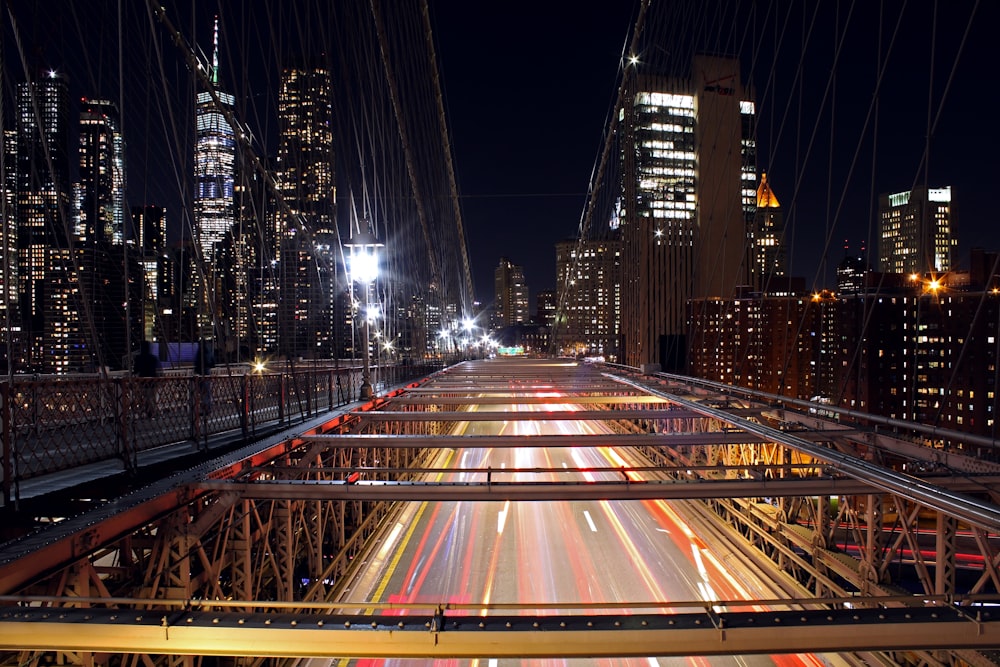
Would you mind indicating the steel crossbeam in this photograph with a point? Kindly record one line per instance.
(442, 635)
(626, 489)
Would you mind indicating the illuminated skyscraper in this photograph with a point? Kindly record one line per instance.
(510, 306)
(588, 275)
(306, 235)
(767, 238)
(150, 225)
(916, 231)
(43, 193)
(10, 312)
(689, 197)
(102, 174)
(214, 164)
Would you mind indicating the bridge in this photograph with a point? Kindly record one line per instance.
(528, 509)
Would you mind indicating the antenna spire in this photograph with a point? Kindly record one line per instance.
(215, 53)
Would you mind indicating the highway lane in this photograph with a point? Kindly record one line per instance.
(551, 552)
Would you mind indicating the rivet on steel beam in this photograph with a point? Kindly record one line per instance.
(294, 622)
(215, 621)
(374, 625)
(562, 624)
(482, 624)
(267, 621)
(320, 623)
(508, 624)
(645, 623)
(347, 624)
(241, 621)
(618, 624)
(190, 619)
(535, 624)
(399, 625)
(590, 624)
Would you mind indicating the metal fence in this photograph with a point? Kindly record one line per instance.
(55, 424)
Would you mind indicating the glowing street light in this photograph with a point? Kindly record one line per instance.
(363, 269)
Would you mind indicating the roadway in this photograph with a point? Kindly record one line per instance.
(550, 552)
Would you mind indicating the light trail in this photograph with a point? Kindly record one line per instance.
(574, 552)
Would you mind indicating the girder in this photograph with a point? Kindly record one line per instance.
(497, 415)
(626, 489)
(255, 525)
(444, 635)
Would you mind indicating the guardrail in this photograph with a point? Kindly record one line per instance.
(54, 424)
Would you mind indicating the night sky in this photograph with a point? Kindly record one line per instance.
(529, 88)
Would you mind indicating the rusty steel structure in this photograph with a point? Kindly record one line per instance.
(248, 554)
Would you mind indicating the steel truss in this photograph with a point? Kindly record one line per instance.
(288, 522)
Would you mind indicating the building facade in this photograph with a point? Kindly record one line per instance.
(917, 231)
(102, 175)
(510, 295)
(688, 200)
(767, 238)
(306, 236)
(589, 279)
(214, 164)
(43, 201)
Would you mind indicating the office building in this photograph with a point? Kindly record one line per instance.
(916, 231)
(546, 303)
(688, 201)
(102, 175)
(43, 200)
(510, 295)
(588, 276)
(306, 238)
(10, 312)
(214, 164)
(767, 239)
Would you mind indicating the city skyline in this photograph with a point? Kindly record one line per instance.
(525, 172)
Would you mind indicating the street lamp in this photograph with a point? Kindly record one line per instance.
(363, 268)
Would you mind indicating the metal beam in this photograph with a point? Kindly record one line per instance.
(499, 415)
(441, 636)
(513, 441)
(697, 488)
(406, 399)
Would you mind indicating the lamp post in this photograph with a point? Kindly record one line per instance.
(364, 269)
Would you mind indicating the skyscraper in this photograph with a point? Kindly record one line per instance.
(306, 235)
(916, 231)
(150, 225)
(510, 294)
(214, 163)
(102, 174)
(767, 236)
(588, 275)
(43, 194)
(10, 312)
(689, 190)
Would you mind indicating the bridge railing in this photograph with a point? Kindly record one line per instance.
(53, 424)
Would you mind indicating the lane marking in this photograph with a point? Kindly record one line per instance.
(406, 540)
(590, 521)
(502, 517)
